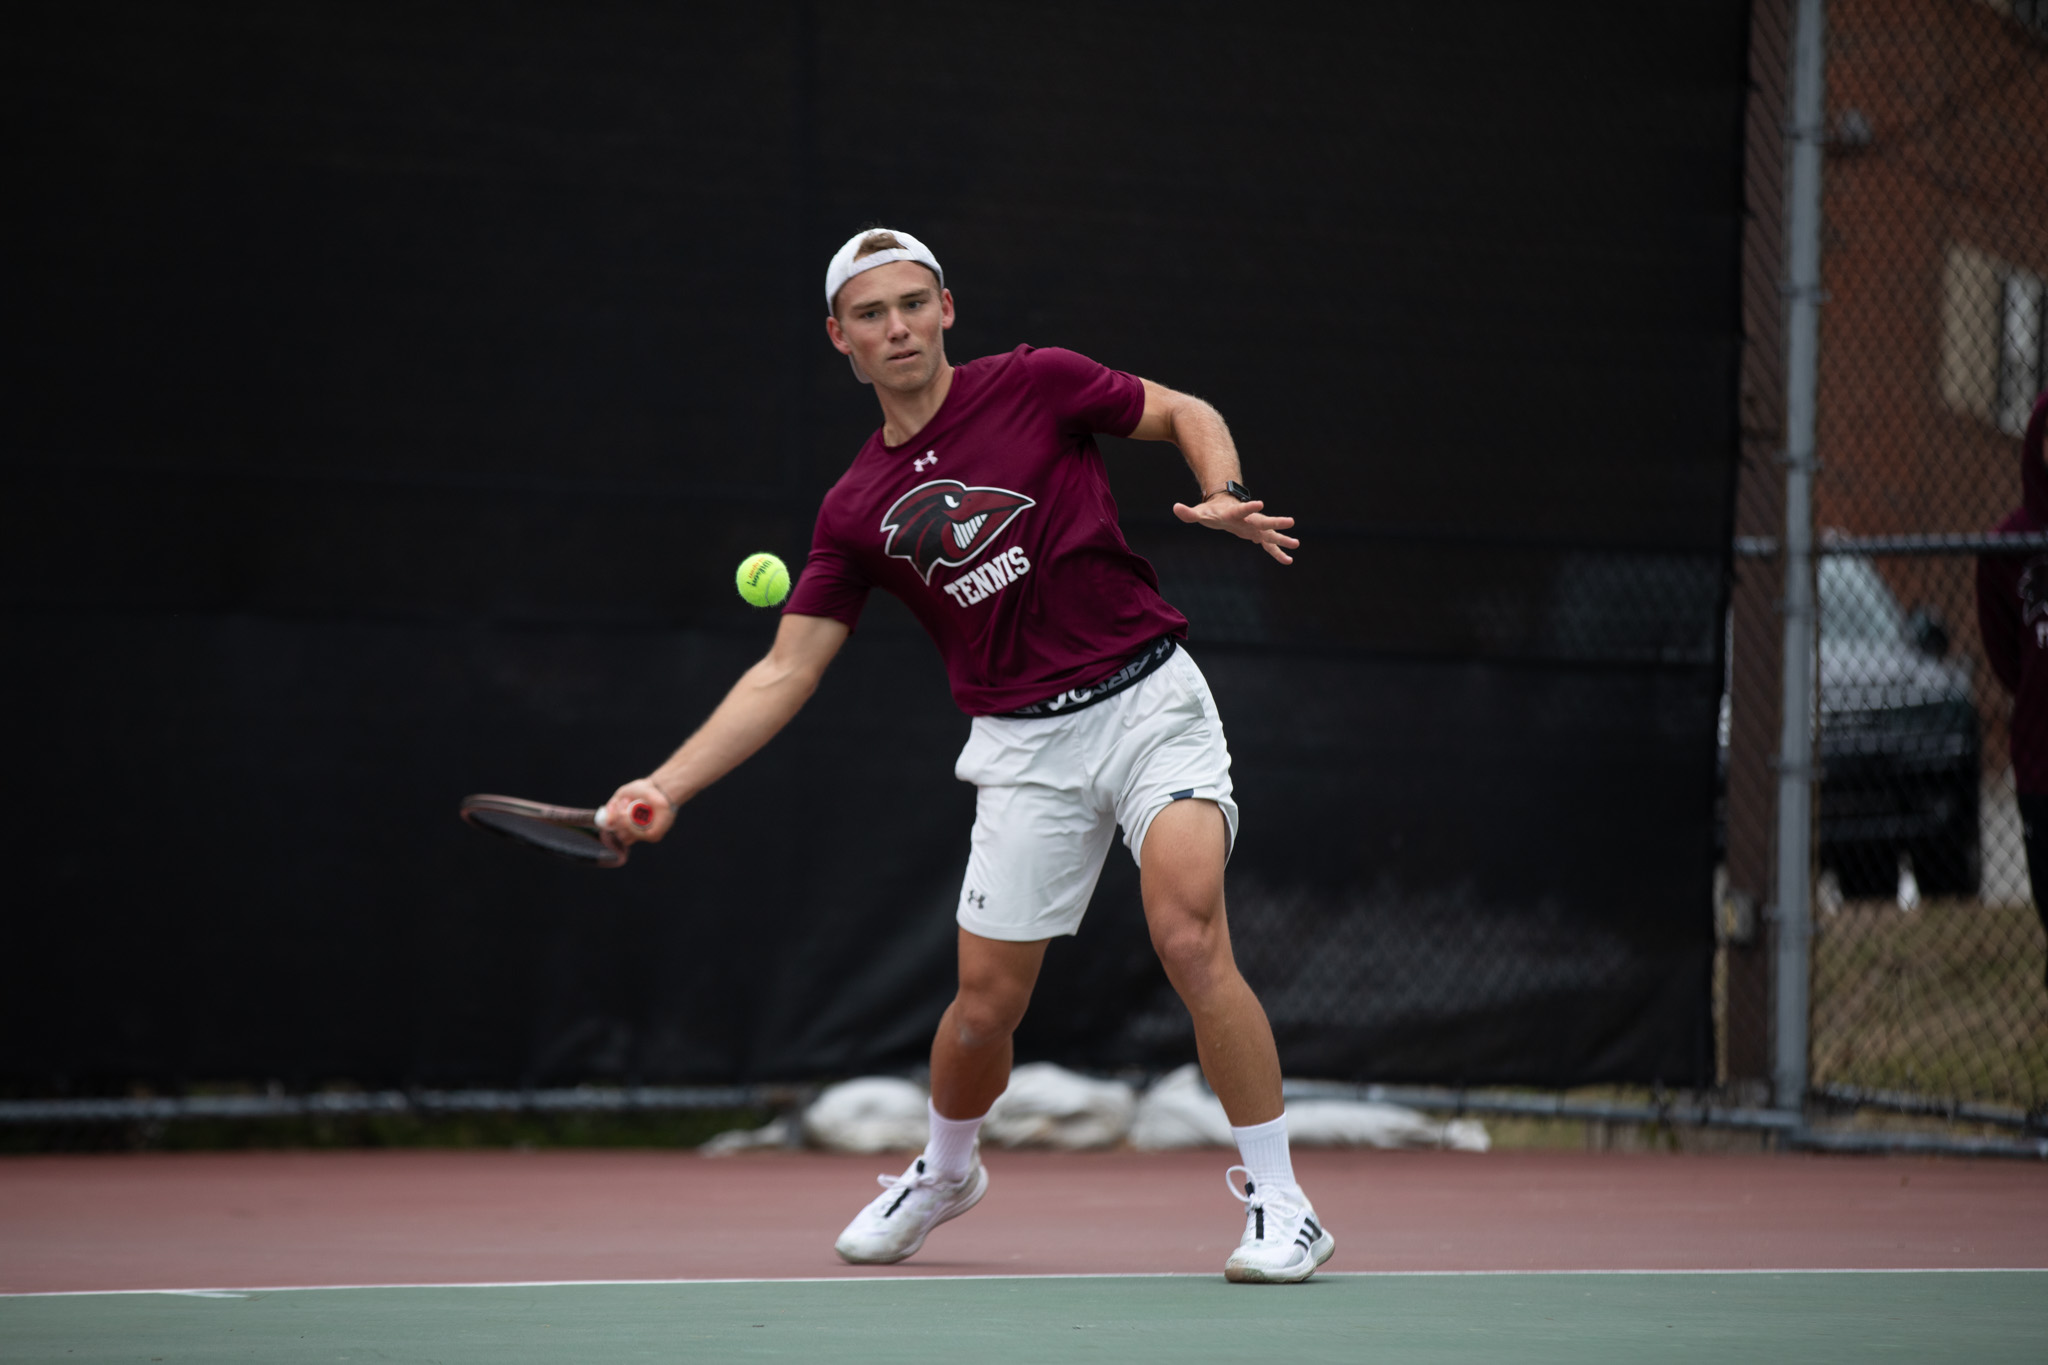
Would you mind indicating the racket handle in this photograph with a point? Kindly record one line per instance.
(640, 814)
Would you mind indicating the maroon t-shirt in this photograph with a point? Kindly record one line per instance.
(996, 527)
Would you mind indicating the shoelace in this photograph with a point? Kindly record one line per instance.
(1282, 1209)
(919, 1177)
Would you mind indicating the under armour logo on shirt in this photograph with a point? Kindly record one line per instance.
(977, 899)
(929, 457)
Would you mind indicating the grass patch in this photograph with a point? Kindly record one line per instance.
(1946, 1000)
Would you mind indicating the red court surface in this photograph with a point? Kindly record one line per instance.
(276, 1219)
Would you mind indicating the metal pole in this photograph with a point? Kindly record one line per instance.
(1795, 750)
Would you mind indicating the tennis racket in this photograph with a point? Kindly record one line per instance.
(567, 831)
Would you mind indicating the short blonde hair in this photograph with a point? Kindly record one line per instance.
(880, 240)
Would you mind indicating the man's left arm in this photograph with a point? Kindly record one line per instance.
(1205, 443)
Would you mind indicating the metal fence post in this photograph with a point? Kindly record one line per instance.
(1794, 920)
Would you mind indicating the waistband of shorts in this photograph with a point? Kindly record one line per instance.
(1145, 661)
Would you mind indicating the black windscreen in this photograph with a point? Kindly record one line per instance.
(390, 394)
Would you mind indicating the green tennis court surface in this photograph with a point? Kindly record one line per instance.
(1794, 1316)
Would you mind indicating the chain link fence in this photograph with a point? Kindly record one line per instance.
(1927, 952)
(1916, 1007)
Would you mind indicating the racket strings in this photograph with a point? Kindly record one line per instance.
(570, 843)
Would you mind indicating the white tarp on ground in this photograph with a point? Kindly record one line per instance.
(1049, 1106)
(1181, 1111)
(871, 1114)
(786, 1131)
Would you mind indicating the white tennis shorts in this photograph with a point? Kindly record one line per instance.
(1053, 789)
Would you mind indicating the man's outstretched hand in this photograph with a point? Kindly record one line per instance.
(619, 827)
(1246, 521)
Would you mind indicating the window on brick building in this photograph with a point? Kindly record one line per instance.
(2020, 375)
(1994, 337)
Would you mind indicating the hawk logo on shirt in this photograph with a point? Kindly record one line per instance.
(946, 522)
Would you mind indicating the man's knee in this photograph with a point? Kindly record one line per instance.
(996, 977)
(1195, 950)
(987, 1012)
(994, 994)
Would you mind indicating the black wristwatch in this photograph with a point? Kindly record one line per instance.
(1235, 489)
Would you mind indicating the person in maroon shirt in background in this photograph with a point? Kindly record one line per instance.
(2012, 616)
(983, 504)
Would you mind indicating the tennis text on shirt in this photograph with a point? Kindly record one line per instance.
(992, 577)
(996, 527)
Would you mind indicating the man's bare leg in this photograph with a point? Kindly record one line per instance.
(971, 1051)
(970, 1067)
(1181, 873)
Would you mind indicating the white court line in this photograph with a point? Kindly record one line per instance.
(246, 1290)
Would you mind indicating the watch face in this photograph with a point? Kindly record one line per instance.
(1238, 491)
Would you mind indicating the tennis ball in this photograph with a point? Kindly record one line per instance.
(763, 580)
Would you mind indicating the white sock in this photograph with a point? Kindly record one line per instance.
(949, 1153)
(1264, 1149)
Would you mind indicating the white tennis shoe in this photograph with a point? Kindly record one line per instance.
(910, 1205)
(1283, 1242)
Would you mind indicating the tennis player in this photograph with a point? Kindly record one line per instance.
(983, 503)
